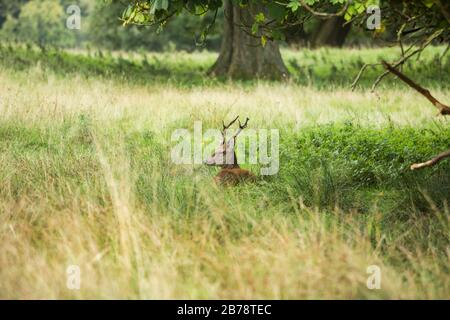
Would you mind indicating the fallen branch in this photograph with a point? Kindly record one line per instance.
(443, 109)
(431, 162)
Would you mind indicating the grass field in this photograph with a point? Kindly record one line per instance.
(86, 179)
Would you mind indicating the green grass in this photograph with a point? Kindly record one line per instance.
(86, 179)
(322, 68)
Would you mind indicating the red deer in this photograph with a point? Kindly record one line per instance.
(225, 157)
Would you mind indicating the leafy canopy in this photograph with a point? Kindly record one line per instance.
(420, 17)
(417, 23)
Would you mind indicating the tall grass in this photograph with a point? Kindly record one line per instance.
(86, 179)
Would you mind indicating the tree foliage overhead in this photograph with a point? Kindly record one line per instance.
(106, 31)
(414, 24)
(411, 20)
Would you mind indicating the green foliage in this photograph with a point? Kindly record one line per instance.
(317, 68)
(106, 31)
(10, 8)
(358, 166)
(41, 22)
(189, 24)
(44, 23)
(143, 69)
(426, 17)
(334, 67)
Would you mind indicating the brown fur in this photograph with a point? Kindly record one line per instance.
(231, 173)
(234, 176)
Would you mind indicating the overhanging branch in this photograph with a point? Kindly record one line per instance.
(443, 109)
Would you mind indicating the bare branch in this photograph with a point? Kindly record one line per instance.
(443, 109)
(444, 10)
(323, 14)
(405, 58)
(431, 162)
(364, 67)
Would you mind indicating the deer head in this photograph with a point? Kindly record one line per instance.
(225, 155)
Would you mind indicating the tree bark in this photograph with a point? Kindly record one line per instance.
(331, 32)
(241, 55)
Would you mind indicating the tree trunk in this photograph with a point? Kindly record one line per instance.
(241, 55)
(331, 32)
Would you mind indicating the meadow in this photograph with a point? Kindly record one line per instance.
(86, 179)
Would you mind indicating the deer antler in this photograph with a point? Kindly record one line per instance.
(241, 127)
(230, 124)
(244, 125)
(226, 127)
